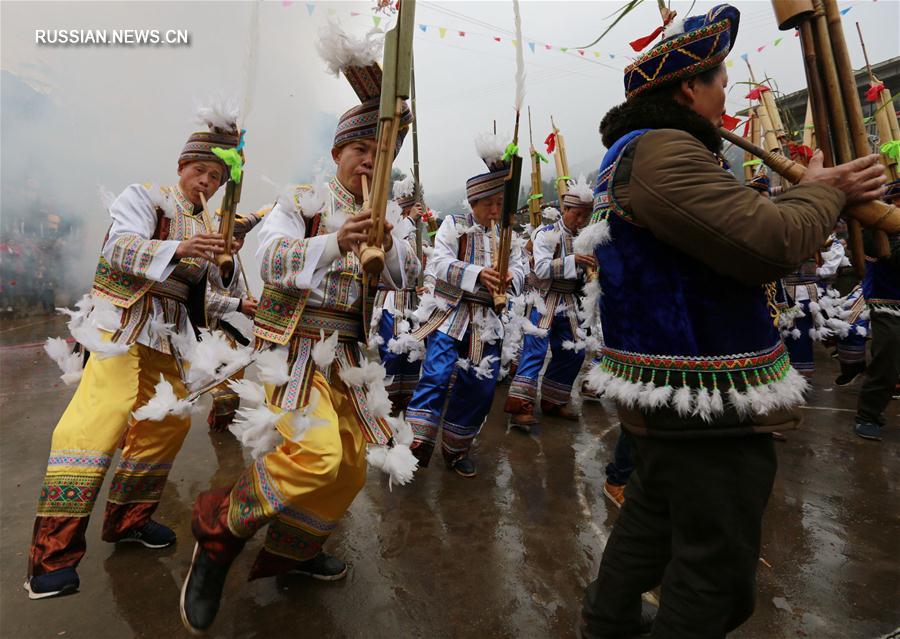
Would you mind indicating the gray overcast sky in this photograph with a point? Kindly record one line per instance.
(115, 115)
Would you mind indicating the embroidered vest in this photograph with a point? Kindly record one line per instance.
(280, 308)
(125, 289)
(670, 320)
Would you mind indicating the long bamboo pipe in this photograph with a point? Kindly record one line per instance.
(875, 214)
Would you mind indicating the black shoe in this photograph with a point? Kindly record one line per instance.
(201, 592)
(152, 534)
(57, 583)
(463, 467)
(645, 625)
(848, 374)
(868, 430)
(323, 566)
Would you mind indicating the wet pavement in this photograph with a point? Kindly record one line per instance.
(505, 554)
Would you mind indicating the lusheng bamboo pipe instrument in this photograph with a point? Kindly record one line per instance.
(885, 116)
(769, 118)
(875, 214)
(507, 221)
(562, 163)
(395, 88)
(829, 107)
(753, 137)
(535, 198)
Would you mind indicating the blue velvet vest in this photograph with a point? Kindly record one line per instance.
(670, 320)
(881, 288)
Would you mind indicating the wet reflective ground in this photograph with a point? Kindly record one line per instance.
(505, 554)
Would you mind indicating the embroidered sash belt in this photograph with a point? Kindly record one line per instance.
(564, 286)
(313, 319)
(172, 288)
(482, 298)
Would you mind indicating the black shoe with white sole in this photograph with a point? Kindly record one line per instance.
(152, 534)
(201, 593)
(323, 566)
(57, 583)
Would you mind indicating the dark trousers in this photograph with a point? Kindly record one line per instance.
(622, 465)
(691, 522)
(884, 369)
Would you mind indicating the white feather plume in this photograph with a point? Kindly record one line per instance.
(325, 350)
(580, 188)
(341, 50)
(272, 366)
(221, 113)
(490, 147)
(164, 402)
(254, 426)
(404, 188)
(304, 419)
(551, 213)
(213, 357)
(520, 58)
(69, 363)
(590, 237)
(249, 391)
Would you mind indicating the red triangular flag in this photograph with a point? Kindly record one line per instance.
(550, 142)
(640, 43)
(756, 94)
(730, 122)
(873, 92)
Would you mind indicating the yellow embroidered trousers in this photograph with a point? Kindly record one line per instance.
(301, 490)
(97, 420)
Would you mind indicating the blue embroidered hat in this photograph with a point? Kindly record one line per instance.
(892, 190)
(705, 42)
(491, 149)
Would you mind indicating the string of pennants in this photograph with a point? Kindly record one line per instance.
(380, 21)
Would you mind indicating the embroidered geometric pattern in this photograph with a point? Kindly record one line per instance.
(555, 393)
(523, 388)
(142, 467)
(253, 501)
(80, 458)
(278, 312)
(293, 542)
(68, 495)
(738, 371)
(706, 41)
(126, 488)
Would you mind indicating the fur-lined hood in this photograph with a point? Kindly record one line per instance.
(657, 113)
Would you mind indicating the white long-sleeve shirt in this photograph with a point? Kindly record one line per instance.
(290, 259)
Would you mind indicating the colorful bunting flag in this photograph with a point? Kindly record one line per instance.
(462, 34)
(376, 20)
(531, 46)
(310, 7)
(777, 42)
(423, 27)
(442, 31)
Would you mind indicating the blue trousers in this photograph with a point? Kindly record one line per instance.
(556, 387)
(800, 349)
(403, 372)
(449, 399)
(622, 465)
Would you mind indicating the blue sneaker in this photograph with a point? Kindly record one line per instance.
(868, 430)
(152, 534)
(53, 584)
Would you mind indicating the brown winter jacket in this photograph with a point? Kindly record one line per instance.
(672, 185)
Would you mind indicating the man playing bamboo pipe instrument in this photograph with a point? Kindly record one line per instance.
(331, 402)
(393, 311)
(148, 289)
(464, 334)
(559, 271)
(691, 355)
